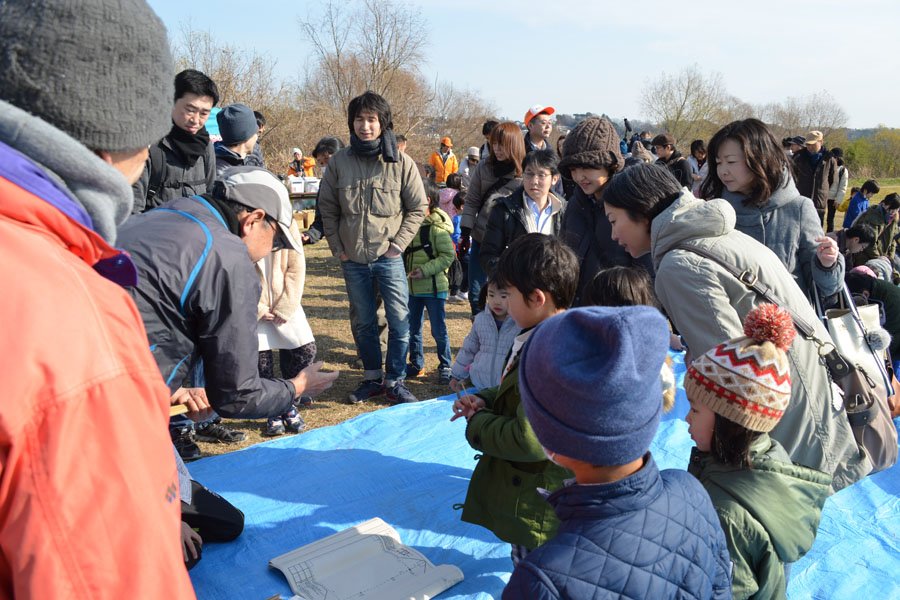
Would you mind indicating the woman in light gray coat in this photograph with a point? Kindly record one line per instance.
(649, 212)
(748, 168)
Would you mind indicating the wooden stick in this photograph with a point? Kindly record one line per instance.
(177, 409)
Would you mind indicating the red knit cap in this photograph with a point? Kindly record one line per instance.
(747, 380)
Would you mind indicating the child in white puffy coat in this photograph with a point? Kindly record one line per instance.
(483, 354)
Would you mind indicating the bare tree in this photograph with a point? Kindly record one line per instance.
(686, 104)
(798, 115)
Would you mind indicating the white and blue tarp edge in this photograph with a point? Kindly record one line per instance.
(409, 465)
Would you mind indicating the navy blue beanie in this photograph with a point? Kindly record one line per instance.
(237, 124)
(589, 381)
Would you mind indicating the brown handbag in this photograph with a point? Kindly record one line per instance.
(865, 394)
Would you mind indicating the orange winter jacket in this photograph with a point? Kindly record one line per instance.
(307, 167)
(441, 168)
(89, 502)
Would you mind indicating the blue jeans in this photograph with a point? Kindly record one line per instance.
(477, 276)
(390, 275)
(435, 306)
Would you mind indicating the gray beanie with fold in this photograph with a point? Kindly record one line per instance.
(99, 70)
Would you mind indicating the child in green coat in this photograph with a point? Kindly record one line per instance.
(540, 275)
(768, 507)
(427, 259)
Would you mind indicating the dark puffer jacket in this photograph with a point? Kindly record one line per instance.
(814, 181)
(586, 230)
(509, 220)
(651, 535)
(680, 168)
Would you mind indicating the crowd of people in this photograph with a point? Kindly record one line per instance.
(153, 269)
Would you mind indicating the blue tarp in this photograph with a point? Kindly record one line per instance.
(409, 465)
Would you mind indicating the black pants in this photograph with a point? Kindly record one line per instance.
(214, 518)
(829, 219)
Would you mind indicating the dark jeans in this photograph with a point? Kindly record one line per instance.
(214, 518)
(829, 219)
(360, 279)
(436, 314)
(477, 276)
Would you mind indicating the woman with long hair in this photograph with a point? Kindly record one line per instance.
(650, 213)
(748, 168)
(499, 175)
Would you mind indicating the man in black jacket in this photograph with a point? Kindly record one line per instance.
(198, 291)
(671, 158)
(182, 163)
(814, 170)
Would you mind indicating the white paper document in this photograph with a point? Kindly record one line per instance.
(366, 561)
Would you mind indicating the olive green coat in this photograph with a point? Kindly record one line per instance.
(769, 514)
(884, 245)
(502, 493)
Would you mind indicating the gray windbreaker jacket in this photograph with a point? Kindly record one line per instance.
(708, 306)
(197, 293)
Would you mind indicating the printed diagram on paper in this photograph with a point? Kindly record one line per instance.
(366, 561)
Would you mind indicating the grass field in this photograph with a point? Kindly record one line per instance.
(325, 304)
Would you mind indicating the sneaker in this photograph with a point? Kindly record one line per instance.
(293, 422)
(303, 401)
(216, 433)
(367, 389)
(444, 375)
(274, 427)
(400, 395)
(184, 444)
(455, 298)
(463, 296)
(412, 371)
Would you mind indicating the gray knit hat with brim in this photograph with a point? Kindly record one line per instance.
(98, 70)
(589, 382)
(593, 143)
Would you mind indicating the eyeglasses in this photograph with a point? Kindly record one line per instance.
(531, 175)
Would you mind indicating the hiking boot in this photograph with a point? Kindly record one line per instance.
(216, 433)
(293, 422)
(185, 446)
(274, 427)
(399, 394)
(444, 375)
(412, 371)
(367, 389)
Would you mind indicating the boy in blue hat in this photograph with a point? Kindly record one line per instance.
(589, 382)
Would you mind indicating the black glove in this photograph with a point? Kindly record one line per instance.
(465, 231)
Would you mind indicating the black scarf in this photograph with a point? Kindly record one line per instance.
(188, 146)
(234, 226)
(502, 169)
(385, 145)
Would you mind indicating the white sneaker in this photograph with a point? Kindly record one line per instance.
(464, 296)
(454, 298)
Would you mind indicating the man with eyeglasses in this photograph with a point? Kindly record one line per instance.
(539, 126)
(197, 292)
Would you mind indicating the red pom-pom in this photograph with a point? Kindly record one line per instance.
(770, 323)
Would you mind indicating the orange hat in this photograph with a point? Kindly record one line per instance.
(446, 141)
(536, 110)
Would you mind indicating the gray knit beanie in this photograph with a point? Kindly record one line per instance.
(237, 124)
(593, 143)
(99, 70)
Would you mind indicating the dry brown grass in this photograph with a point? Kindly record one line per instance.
(325, 304)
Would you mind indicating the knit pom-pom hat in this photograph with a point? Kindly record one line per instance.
(747, 380)
(593, 143)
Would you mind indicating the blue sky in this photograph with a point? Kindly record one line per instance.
(583, 55)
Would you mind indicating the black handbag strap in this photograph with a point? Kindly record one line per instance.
(837, 364)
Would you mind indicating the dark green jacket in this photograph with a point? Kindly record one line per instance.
(884, 245)
(434, 269)
(503, 494)
(769, 514)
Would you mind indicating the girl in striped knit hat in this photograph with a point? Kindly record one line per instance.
(768, 507)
